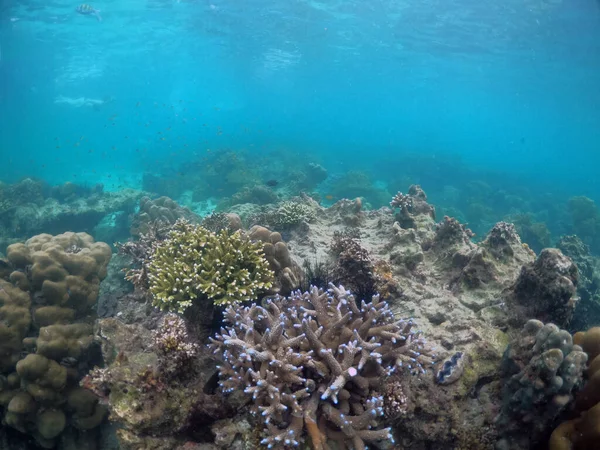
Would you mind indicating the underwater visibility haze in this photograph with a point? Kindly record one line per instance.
(315, 224)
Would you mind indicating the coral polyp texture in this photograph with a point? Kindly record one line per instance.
(194, 262)
(46, 336)
(313, 362)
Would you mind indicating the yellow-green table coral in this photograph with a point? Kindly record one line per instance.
(194, 262)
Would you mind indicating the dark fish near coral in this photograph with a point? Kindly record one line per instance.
(88, 10)
(272, 183)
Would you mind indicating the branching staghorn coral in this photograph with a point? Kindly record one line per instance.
(284, 215)
(401, 201)
(291, 213)
(194, 262)
(313, 362)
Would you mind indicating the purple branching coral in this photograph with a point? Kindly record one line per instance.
(313, 364)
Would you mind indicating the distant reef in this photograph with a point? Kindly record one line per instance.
(287, 324)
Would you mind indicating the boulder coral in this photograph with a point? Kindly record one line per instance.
(161, 210)
(583, 432)
(543, 369)
(287, 272)
(46, 312)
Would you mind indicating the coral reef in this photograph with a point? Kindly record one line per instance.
(176, 352)
(162, 210)
(29, 208)
(581, 432)
(585, 216)
(46, 335)
(160, 384)
(545, 290)
(456, 293)
(285, 215)
(587, 311)
(450, 232)
(292, 213)
(353, 265)
(412, 206)
(155, 384)
(543, 370)
(312, 364)
(259, 195)
(216, 222)
(536, 234)
(309, 177)
(287, 272)
(195, 263)
(140, 251)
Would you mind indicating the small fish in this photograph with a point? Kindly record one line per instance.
(88, 10)
(272, 183)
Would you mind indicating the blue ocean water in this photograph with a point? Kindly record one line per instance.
(431, 89)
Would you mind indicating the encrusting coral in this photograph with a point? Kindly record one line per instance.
(313, 362)
(193, 262)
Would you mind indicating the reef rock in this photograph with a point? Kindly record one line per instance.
(456, 292)
(545, 289)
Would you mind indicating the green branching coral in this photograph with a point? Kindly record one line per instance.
(194, 262)
(292, 213)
